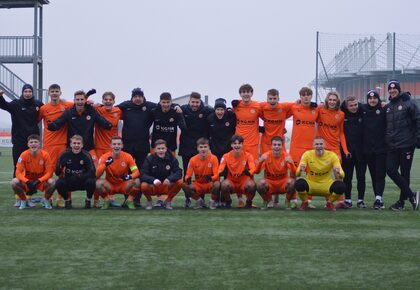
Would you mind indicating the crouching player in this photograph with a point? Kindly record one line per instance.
(160, 175)
(204, 166)
(121, 174)
(34, 170)
(75, 171)
(277, 164)
(319, 166)
(241, 168)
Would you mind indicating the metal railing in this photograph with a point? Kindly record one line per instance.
(10, 82)
(16, 47)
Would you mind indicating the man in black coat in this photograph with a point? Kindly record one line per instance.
(402, 136)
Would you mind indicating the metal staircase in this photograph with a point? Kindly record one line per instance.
(10, 83)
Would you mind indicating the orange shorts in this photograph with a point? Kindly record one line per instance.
(238, 186)
(276, 186)
(55, 152)
(160, 189)
(202, 188)
(119, 188)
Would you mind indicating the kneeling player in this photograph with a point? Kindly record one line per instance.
(241, 168)
(276, 164)
(320, 166)
(34, 170)
(160, 174)
(204, 166)
(117, 165)
(76, 171)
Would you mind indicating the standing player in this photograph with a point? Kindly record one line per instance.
(121, 174)
(353, 130)
(374, 146)
(54, 142)
(319, 165)
(80, 120)
(241, 168)
(204, 166)
(195, 114)
(248, 113)
(402, 136)
(166, 121)
(33, 171)
(222, 124)
(75, 171)
(160, 174)
(274, 115)
(277, 164)
(24, 114)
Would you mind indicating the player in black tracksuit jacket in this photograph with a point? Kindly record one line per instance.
(402, 136)
(166, 122)
(353, 130)
(24, 115)
(81, 119)
(222, 125)
(138, 118)
(374, 147)
(76, 171)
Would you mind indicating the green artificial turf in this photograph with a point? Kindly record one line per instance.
(203, 249)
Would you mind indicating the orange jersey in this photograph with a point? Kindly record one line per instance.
(304, 129)
(274, 120)
(50, 113)
(276, 168)
(118, 168)
(247, 122)
(237, 165)
(31, 167)
(331, 128)
(200, 168)
(102, 136)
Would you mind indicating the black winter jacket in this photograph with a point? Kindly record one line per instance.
(353, 129)
(374, 125)
(221, 130)
(155, 167)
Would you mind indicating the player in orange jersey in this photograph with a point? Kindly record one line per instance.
(160, 174)
(240, 170)
(33, 172)
(54, 142)
(204, 166)
(248, 113)
(277, 164)
(274, 115)
(121, 174)
(331, 124)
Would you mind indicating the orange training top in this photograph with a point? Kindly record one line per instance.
(200, 168)
(274, 120)
(31, 167)
(237, 165)
(50, 113)
(118, 168)
(276, 168)
(103, 137)
(247, 122)
(331, 128)
(304, 129)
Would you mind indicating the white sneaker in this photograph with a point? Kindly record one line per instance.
(199, 203)
(46, 203)
(212, 204)
(169, 205)
(17, 203)
(31, 203)
(270, 204)
(149, 205)
(22, 204)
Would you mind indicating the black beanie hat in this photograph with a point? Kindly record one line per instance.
(27, 86)
(394, 84)
(220, 103)
(137, 92)
(372, 93)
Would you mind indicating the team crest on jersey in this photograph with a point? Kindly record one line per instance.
(337, 116)
(313, 112)
(252, 111)
(123, 164)
(399, 108)
(282, 164)
(115, 114)
(168, 167)
(243, 162)
(41, 162)
(378, 112)
(200, 116)
(280, 110)
(37, 108)
(171, 120)
(157, 127)
(327, 162)
(209, 165)
(88, 117)
(227, 124)
(144, 108)
(81, 162)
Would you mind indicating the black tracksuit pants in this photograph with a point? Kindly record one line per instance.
(63, 185)
(349, 164)
(376, 164)
(398, 166)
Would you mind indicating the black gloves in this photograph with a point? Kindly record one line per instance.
(208, 177)
(33, 184)
(90, 92)
(109, 161)
(246, 172)
(188, 181)
(127, 177)
(261, 129)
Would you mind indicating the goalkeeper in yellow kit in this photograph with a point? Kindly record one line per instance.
(322, 175)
